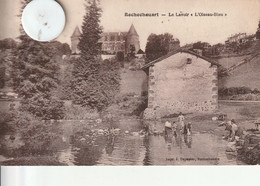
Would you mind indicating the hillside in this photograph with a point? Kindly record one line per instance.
(228, 62)
(243, 70)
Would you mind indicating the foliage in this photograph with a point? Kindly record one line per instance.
(8, 43)
(158, 45)
(236, 91)
(65, 49)
(64, 91)
(132, 50)
(91, 30)
(6, 59)
(44, 107)
(35, 76)
(200, 45)
(214, 50)
(5, 118)
(59, 48)
(94, 81)
(2, 76)
(120, 56)
(36, 134)
(143, 104)
(76, 112)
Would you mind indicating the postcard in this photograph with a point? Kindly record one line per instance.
(130, 83)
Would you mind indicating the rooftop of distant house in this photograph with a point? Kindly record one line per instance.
(179, 51)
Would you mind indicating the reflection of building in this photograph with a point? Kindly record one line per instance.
(181, 81)
(112, 42)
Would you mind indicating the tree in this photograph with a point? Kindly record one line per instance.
(6, 59)
(8, 43)
(198, 45)
(120, 56)
(158, 45)
(59, 48)
(35, 77)
(2, 76)
(132, 50)
(95, 81)
(65, 49)
(91, 30)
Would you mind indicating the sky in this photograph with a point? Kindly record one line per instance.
(242, 16)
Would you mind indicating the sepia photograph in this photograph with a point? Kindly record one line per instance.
(130, 82)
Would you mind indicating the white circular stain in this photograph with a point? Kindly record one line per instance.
(43, 20)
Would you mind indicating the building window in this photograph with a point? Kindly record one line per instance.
(189, 60)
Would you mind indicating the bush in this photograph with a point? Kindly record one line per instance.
(5, 118)
(2, 76)
(76, 112)
(234, 91)
(36, 134)
(143, 104)
(35, 73)
(255, 91)
(120, 56)
(95, 83)
(44, 108)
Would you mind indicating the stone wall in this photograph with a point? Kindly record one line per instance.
(133, 82)
(113, 47)
(175, 86)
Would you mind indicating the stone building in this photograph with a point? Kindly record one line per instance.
(237, 38)
(132, 39)
(181, 81)
(75, 40)
(111, 42)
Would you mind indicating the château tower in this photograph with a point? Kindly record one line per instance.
(132, 38)
(75, 41)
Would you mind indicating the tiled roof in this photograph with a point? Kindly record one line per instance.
(132, 31)
(76, 32)
(175, 52)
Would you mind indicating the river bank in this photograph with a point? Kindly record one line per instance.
(87, 141)
(83, 142)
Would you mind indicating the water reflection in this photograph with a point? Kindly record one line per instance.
(110, 144)
(146, 143)
(135, 142)
(188, 140)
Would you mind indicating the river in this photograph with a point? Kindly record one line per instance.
(128, 147)
(91, 142)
